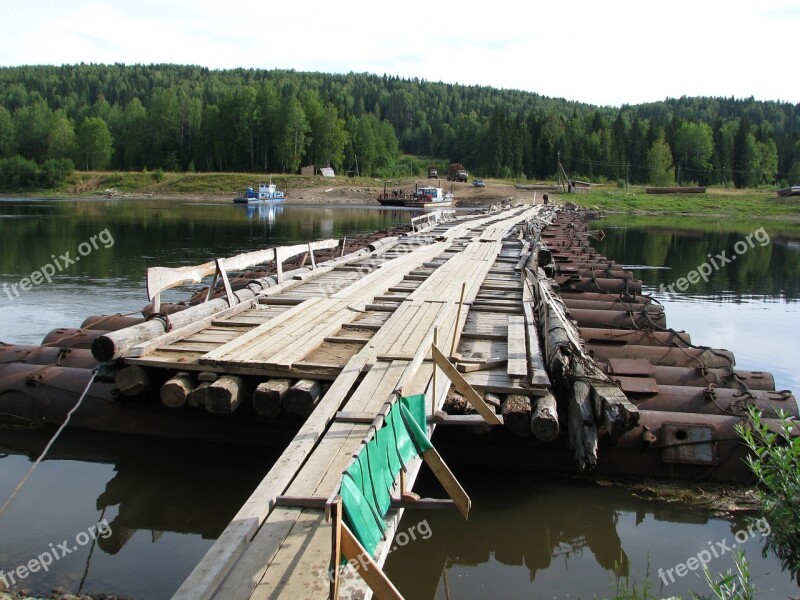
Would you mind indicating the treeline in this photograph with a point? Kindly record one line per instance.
(184, 118)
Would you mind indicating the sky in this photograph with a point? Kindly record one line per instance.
(599, 52)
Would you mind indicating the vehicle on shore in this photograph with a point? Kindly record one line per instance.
(457, 172)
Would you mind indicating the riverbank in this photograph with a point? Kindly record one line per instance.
(300, 189)
(724, 203)
(762, 203)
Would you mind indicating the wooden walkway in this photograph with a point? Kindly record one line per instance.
(457, 281)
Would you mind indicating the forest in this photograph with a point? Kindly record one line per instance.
(189, 118)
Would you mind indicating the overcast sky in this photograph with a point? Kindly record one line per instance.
(600, 52)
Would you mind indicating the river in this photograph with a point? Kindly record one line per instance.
(528, 536)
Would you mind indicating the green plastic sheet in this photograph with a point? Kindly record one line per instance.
(367, 482)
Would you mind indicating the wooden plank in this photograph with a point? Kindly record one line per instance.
(164, 278)
(462, 386)
(221, 353)
(517, 354)
(206, 577)
(371, 572)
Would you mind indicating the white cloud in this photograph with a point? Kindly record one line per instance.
(601, 53)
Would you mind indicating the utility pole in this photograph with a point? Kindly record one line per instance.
(627, 172)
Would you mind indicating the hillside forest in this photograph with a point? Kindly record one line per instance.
(187, 118)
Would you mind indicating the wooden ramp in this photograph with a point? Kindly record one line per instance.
(272, 549)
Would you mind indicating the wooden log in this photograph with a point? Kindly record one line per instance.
(492, 399)
(132, 380)
(302, 397)
(675, 190)
(208, 376)
(224, 395)
(197, 397)
(175, 391)
(516, 411)
(618, 415)
(544, 420)
(267, 398)
(582, 428)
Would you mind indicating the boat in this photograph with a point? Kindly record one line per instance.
(790, 191)
(267, 192)
(423, 197)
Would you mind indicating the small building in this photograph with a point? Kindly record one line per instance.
(579, 187)
(308, 170)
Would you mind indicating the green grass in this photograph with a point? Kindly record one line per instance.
(201, 184)
(736, 204)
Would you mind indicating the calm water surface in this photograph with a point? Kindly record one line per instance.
(527, 537)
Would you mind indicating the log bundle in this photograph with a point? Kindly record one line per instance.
(611, 350)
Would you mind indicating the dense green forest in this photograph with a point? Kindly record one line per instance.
(189, 118)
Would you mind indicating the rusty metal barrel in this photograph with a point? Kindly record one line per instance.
(47, 355)
(668, 357)
(618, 318)
(622, 337)
(110, 322)
(589, 284)
(718, 401)
(67, 337)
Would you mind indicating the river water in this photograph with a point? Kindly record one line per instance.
(527, 536)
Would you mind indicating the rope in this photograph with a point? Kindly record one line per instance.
(49, 444)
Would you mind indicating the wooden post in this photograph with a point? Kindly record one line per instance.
(302, 397)
(197, 397)
(224, 395)
(336, 545)
(267, 398)
(175, 392)
(458, 316)
(433, 397)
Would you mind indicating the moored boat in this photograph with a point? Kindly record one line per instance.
(423, 197)
(267, 192)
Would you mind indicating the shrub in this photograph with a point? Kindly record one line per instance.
(776, 464)
(18, 172)
(55, 170)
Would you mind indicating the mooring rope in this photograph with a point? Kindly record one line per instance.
(49, 444)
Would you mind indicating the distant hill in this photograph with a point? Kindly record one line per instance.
(177, 117)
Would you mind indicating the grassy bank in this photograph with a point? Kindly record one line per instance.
(164, 184)
(728, 203)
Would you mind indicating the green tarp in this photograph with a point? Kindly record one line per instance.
(367, 483)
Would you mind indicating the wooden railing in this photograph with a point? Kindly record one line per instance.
(160, 279)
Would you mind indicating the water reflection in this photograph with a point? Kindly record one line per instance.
(265, 211)
(146, 233)
(542, 538)
(164, 502)
(749, 305)
(768, 266)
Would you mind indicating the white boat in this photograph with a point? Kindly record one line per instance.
(267, 192)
